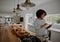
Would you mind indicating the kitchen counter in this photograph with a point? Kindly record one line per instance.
(54, 29)
(55, 34)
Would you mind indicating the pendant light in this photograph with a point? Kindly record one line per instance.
(27, 3)
(17, 8)
(14, 7)
(14, 10)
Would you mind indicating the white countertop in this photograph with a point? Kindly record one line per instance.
(54, 29)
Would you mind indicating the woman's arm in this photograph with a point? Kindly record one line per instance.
(44, 25)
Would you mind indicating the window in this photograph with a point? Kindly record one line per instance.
(55, 18)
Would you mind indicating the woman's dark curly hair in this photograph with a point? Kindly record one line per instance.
(40, 12)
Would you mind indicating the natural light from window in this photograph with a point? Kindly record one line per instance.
(54, 19)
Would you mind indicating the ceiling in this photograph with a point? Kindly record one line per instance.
(8, 5)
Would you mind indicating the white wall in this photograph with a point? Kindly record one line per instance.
(8, 5)
(52, 7)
